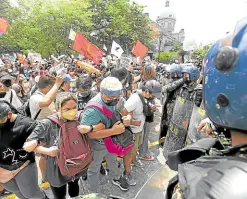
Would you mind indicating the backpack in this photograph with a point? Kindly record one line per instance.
(116, 144)
(147, 111)
(74, 149)
(25, 110)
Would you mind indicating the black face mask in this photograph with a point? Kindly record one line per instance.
(187, 81)
(7, 125)
(7, 83)
(150, 99)
(112, 102)
(2, 95)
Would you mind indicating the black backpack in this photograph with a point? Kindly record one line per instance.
(25, 110)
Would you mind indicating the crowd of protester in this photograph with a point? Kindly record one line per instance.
(32, 92)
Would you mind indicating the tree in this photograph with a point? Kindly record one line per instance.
(121, 21)
(166, 57)
(177, 47)
(43, 25)
(200, 53)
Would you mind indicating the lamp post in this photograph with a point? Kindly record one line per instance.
(160, 41)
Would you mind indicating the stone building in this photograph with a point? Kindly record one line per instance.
(165, 23)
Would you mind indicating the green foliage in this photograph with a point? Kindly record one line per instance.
(200, 53)
(166, 56)
(121, 21)
(43, 25)
(177, 47)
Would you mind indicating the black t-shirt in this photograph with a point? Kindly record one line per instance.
(82, 101)
(12, 137)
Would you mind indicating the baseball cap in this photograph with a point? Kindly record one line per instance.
(111, 86)
(66, 78)
(154, 87)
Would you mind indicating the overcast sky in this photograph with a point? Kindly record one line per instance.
(203, 20)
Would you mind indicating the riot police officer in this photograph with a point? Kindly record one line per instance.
(206, 169)
(182, 111)
(170, 89)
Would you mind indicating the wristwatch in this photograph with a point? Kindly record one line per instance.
(91, 128)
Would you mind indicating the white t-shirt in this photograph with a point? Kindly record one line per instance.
(35, 99)
(134, 104)
(15, 100)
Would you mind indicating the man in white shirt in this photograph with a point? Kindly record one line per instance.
(43, 98)
(134, 109)
(6, 93)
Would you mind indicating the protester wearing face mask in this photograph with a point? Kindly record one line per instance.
(154, 89)
(18, 170)
(110, 92)
(134, 110)
(6, 93)
(84, 95)
(84, 91)
(47, 132)
(44, 140)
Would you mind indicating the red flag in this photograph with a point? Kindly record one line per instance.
(140, 50)
(89, 50)
(3, 26)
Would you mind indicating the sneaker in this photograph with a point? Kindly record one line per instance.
(138, 163)
(102, 170)
(147, 158)
(84, 176)
(121, 183)
(5, 192)
(131, 181)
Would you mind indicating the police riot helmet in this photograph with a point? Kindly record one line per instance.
(176, 70)
(191, 70)
(225, 77)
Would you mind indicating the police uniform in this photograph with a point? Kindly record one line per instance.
(208, 172)
(206, 169)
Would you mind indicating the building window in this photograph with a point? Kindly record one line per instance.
(169, 25)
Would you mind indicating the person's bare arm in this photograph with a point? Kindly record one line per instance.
(52, 151)
(117, 129)
(136, 79)
(49, 97)
(135, 123)
(85, 128)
